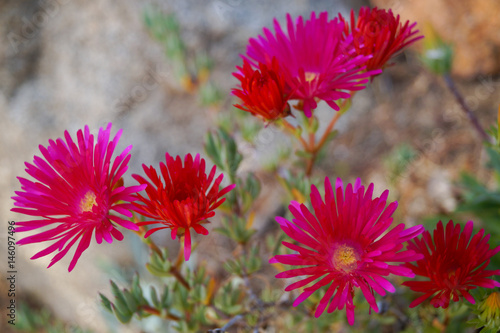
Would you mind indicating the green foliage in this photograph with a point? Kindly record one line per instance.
(165, 28)
(296, 185)
(310, 125)
(278, 160)
(249, 189)
(127, 302)
(192, 72)
(274, 244)
(249, 127)
(245, 265)
(184, 307)
(34, 320)
(439, 59)
(230, 298)
(399, 160)
(437, 55)
(158, 265)
(236, 228)
(195, 305)
(323, 152)
(221, 148)
(210, 94)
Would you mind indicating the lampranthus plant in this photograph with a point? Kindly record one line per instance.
(181, 197)
(263, 91)
(337, 243)
(379, 34)
(77, 187)
(453, 263)
(345, 243)
(317, 62)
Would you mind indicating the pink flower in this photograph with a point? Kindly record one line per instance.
(186, 198)
(454, 264)
(316, 60)
(77, 186)
(345, 243)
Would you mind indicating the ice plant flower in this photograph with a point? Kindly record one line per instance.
(77, 187)
(316, 60)
(345, 243)
(453, 263)
(181, 197)
(263, 91)
(379, 34)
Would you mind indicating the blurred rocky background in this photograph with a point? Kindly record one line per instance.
(67, 63)
(468, 24)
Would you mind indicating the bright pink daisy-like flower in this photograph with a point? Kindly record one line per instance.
(184, 199)
(378, 33)
(453, 262)
(263, 92)
(77, 187)
(317, 61)
(345, 244)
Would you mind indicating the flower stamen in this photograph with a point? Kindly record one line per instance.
(345, 258)
(310, 76)
(88, 202)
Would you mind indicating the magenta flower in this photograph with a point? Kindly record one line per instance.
(346, 243)
(76, 187)
(317, 62)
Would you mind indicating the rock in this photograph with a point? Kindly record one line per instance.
(440, 190)
(470, 25)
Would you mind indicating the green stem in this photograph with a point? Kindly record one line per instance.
(174, 269)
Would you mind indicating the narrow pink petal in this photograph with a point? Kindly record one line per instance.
(82, 246)
(302, 297)
(187, 245)
(150, 231)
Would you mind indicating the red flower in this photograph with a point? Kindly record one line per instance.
(454, 264)
(346, 244)
(316, 61)
(186, 200)
(78, 187)
(379, 34)
(263, 92)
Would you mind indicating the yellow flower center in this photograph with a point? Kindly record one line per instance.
(88, 201)
(310, 76)
(345, 258)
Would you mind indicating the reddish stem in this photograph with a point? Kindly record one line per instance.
(314, 148)
(292, 130)
(157, 313)
(174, 269)
(468, 112)
(179, 277)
